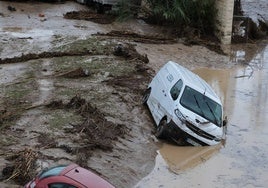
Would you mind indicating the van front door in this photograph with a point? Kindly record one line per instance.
(161, 94)
(169, 99)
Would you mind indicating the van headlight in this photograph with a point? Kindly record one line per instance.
(179, 115)
(217, 139)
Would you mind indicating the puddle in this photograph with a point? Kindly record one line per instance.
(11, 29)
(242, 161)
(40, 34)
(46, 86)
(187, 157)
(9, 73)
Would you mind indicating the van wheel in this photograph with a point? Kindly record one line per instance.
(161, 129)
(146, 96)
(100, 8)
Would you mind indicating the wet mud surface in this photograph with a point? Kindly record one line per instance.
(132, 36)
(90, 16)
(70, 96)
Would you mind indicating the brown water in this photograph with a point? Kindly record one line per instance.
(242, 160)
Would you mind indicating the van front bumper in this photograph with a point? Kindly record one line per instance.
(181, 137)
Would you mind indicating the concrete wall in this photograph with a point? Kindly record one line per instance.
(225, 19)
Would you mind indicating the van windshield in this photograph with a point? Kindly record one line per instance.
(202, 105)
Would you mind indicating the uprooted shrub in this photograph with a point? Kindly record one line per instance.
(23, 165)
(96, 132)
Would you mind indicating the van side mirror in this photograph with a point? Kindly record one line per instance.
(225, 121)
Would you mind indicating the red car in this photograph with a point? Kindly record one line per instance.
(71, 176)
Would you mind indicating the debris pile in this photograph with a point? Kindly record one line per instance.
(129, 82)
(7, 115)
(90, 16)
(129, 52)
(139, 38)
(96, 132)
(23, 164)
(31, 56)
(76, 73)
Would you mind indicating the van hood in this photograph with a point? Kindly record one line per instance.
(202, 124)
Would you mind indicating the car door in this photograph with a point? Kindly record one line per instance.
(165, 102)
(158, 86)
(170, 98)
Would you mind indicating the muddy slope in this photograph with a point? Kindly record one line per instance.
(65, 108)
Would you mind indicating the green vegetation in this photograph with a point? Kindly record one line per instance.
(197, 14)
(91, 45)
(127, 9)
(59, 119)
(17, 92)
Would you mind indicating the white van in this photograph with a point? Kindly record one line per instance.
(184, 107)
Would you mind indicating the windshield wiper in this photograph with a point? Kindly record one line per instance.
(211, 111)
(198, 105)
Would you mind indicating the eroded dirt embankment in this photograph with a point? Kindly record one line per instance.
(95, 133)
(127, 51)
(87, 88)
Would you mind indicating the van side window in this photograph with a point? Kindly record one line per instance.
(176, 89)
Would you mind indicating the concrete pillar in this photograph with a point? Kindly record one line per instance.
(225, 20)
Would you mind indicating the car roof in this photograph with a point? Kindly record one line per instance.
(194, 81)
(85, 177)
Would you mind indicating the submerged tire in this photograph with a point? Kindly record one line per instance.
(100, 8)
(161, 129)
(146, 96)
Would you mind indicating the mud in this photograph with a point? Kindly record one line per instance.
(95, 131)
(129, 52)
(85, 130)
(90, 16)
(76, 73)
(135, 37)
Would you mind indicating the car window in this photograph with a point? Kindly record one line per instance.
(54, 171)
(176, 89)
(60, 185)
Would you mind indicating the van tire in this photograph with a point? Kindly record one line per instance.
(100, 8)
(161, 129)
(146, 96)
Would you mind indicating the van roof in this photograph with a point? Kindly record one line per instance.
(194, 81)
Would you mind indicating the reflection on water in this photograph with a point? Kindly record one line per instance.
(11, 29)
(186, 157)
(9, 73)
(46, 85)
(243, 161)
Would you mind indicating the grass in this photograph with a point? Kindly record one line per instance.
(59, 119)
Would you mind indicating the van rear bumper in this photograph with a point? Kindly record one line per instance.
(179, 136)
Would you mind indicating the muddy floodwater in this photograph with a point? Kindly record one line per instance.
(242, 161)
(59, 77)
